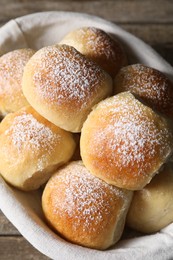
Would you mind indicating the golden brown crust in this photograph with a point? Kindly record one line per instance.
(152, 208)
(84, 209)
(124, 142)
(61, 84)
(31, 148)
(11, 71)
(97, 45)
(149, 84)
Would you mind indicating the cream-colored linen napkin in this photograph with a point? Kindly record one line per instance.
(24, 209)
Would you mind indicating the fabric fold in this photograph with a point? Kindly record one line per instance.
(11, 37)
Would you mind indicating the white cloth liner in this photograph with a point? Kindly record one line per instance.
(24, 209)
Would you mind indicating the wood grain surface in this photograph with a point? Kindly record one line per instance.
(152, 21)
(125, 11)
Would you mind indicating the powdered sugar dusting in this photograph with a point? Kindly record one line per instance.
(11, 69)
(87, 199)
(100, 44)
(132, 135)
(150, 84)
(64, 75)
(27, 133)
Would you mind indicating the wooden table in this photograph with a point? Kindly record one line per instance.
(150, 20)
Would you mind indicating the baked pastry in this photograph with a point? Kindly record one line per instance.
(83, 209)
(152, 208)
(63, 85)
(149, 84)
(97, 45)
(125, 142)
(32, 148)
(11, 71)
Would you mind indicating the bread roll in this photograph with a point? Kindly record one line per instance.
(149, 84)
(83, 209)
(62, 85)
(125, 142)
(31, 148)
(99, 47)
(11, 71)
(152, 207)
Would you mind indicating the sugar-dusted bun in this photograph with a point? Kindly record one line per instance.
(31, 148)
(11, 71)
(149, 84)
(83, 209)
(63, 85)
(99, 47)
(125, 142)
(152, 207)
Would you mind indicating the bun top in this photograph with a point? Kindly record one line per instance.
(11, 71)
(97, 45)
(83, 208)
(91, 193)
(149, 84)
(28, 131)
(30, 136)
(31, 148)
(61, 84)
(63, 76)
(126, 141)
